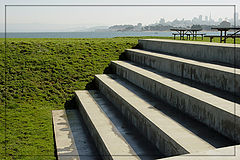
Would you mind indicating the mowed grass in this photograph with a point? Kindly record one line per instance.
(41, 75)
(215, 40)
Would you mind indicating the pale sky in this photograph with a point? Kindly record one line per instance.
(21, 18)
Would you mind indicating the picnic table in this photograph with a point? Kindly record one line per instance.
(180, 32)
(188, 32)
(223, 33)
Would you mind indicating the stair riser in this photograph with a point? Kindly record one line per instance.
(221, 121)
(200, 51)
(94, 134)
(164, 143)
(215, 78)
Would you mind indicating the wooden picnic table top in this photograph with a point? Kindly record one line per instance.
(223, 37)
(194, 29)
(228, 35)
(226, 28)
(178, 29)
(184, 29)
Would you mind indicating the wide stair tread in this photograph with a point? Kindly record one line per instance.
(186, 60)
(143, 148)
(108, 140)
(225, 54)
(187, 133)
(216, 112)
(200, 94)
(218, 76)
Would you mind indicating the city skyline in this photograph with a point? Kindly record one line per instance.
(199, 20)
(203, 20)
(22, 19)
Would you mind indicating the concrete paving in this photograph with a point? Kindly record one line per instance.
(228, 54)
(174, 98)
(216, 112)
(141, 146)
(109, 141)
(72, 142)
(225, 153)
(167, 133)
(221, 77)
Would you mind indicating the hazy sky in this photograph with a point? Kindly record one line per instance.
(64, 18)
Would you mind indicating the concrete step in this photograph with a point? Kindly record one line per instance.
(169, 130)
(73, 141)
(227, 54)
(221, 77)
(141, 146)
(225, 153)
(109, 142)
(216, 112)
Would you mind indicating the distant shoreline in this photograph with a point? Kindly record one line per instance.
(96, 31)
(91, 34)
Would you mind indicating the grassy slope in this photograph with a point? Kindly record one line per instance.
(41, 76)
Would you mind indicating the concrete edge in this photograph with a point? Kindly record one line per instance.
(65, 144)
(225, 153)
(193, 42)
(108, 150)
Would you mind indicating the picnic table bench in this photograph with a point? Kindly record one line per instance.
(195, 35)
(188, 32)
(223, 34)
(180, 32)
(218, 36)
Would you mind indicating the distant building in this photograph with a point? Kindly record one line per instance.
(205, 22)
(206, 18)
(139, 25)
(195, 20)
(196, 27)
(200, 18)
(225, 24)
(162, 21)
(220, 20)
(237, 19)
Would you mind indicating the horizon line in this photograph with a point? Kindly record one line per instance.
(124, 5)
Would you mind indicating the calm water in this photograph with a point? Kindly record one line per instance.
(86, 34)
(82, 34)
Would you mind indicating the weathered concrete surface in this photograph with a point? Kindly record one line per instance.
(217, 113)
(109, 142)
(171, 131)
(165, 128)
(226, 153)
(73, 142)
(141, 146)
(221, 77)
(205, 51)
(65, 145)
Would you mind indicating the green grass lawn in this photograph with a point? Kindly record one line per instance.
(41, 75)
(216, 40)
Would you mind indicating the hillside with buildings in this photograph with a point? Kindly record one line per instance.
(206, 24)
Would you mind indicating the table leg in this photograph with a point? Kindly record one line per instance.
(221, 37)
(225, 36)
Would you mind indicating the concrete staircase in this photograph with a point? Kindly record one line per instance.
(168, 100)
